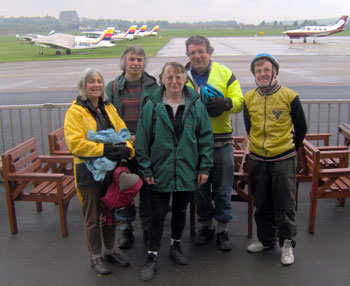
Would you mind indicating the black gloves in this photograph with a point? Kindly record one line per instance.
(116, 152)
(216, 106)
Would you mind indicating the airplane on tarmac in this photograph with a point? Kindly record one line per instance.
(70, 42)
(140, 32)
(153, 32)
(129, 34)
(317, 31)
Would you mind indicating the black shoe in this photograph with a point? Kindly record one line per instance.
(149, 268)
(176, 255)
(100, 266)
(126, 239)
(224, 241)
(145, 236)
(116, 258)
(204, 235)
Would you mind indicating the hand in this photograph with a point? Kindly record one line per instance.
(149, 180)
(216, 106)
(202, 179)
(116, 152)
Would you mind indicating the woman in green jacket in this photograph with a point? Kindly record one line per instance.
(174, 148)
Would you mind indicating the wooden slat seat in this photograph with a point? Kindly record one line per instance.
(31, 177)
(328, 181)
(57, 146)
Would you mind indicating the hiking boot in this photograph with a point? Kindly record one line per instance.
(204, 235)
(287, 256)
(116, 258)
(100, 266)
(176, 255)
(258, 247)
(126, 239)
(149, 268)
(223, 241)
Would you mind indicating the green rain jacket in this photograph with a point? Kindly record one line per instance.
(174, 163)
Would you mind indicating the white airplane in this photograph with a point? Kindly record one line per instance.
(317, 31)
(140, 32)
(69, 42)
(31, 37)
(128, 35)
(153, 32)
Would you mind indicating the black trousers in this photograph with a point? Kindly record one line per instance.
(160, 207)
(273, 185)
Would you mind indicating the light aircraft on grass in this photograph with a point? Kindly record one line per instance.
(128, 35)
(153, 32)
(317, 31)
(140, 32)
(70, 42)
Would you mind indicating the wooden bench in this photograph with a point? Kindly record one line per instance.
(321, 140)
(31, 177)
(57, 146)
(328, 180)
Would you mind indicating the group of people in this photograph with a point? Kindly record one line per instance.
(180, 145)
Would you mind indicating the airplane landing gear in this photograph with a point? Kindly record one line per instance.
(304, 40)
(314, 41)
(58, 53)
(68, 51)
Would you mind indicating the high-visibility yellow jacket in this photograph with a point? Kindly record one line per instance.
(224, 80)
(275, 122)
(78, 121)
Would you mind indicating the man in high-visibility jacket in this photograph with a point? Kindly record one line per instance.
(222, 96)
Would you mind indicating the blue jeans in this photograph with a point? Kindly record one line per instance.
(218, 188)
(128, 214)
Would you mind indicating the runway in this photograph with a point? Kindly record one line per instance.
(322, 64)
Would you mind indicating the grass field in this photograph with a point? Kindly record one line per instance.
(11, 50)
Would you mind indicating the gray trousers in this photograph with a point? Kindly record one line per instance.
(273, 185)
(95, 230)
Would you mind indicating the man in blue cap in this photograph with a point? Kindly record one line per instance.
(275, 121)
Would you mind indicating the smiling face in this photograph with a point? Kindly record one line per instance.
(265, 73)
(94, 88)
(199, 57)
(174, 81)
(134, 65)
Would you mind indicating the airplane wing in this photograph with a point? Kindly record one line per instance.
(56, 41)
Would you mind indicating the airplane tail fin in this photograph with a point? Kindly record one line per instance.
(141, 31)
(130, 32)
(155, 30)
(106, 35)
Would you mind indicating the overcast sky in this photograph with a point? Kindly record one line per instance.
(243, 11)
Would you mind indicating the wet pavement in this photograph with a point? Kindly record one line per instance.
(38, 255)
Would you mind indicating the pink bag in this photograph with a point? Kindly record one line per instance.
(114, 199)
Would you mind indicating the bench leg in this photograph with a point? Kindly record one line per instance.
(63, 208)
(312, 214)
(39, 206)
(12, 216)
(341, 202)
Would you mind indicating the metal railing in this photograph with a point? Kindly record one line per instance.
(21, 122)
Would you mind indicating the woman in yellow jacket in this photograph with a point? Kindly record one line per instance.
(91, 111)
